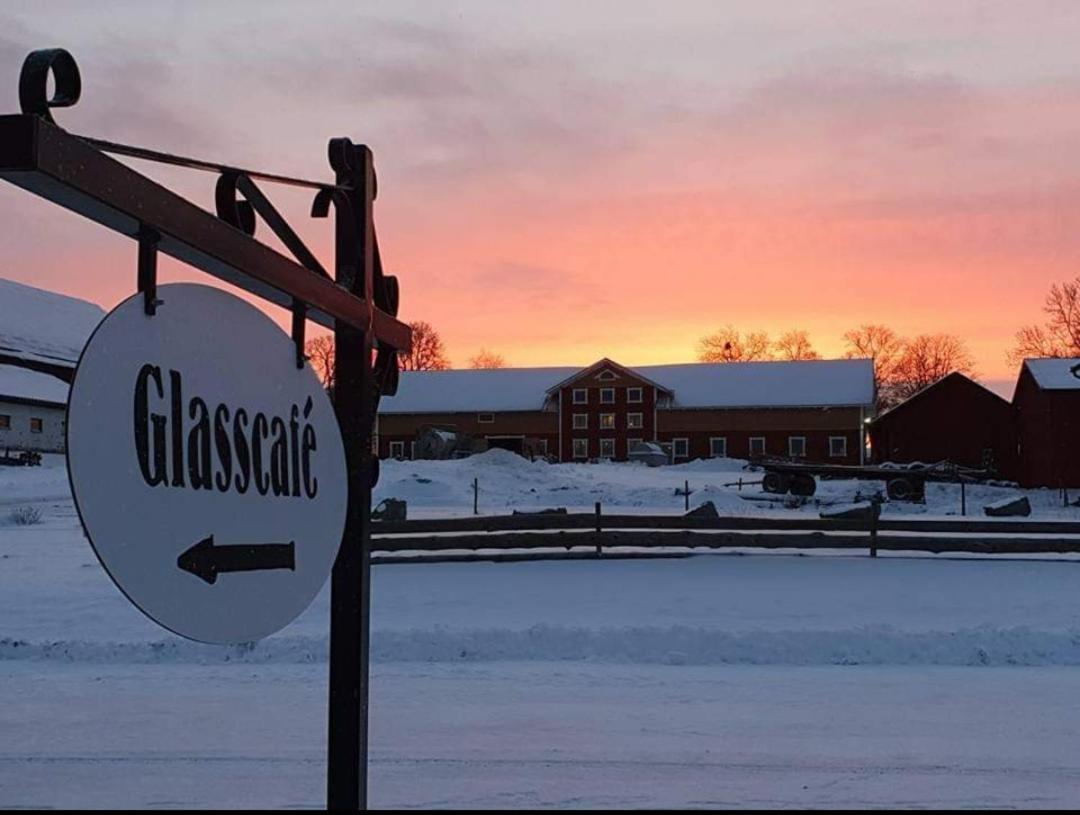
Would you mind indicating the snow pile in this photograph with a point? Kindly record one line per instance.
(43, 325)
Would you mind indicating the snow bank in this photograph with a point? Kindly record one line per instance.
(670, 645)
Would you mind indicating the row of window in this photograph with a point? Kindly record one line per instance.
(634, 421)
(607, 396)
(680, 448)
(36, 425)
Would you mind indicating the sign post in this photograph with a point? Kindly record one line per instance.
(229, 545)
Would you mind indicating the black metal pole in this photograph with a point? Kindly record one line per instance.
(351, 577)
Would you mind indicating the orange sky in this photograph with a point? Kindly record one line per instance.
(560, 183)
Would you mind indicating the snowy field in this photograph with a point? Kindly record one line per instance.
(755, 680)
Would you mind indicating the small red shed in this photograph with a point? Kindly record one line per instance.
(956, 419)
(1047, 403)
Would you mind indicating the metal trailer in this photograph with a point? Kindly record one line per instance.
(901, 484)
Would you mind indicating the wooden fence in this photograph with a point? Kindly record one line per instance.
(577, 535)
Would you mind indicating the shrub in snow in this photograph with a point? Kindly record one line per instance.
(25, 516)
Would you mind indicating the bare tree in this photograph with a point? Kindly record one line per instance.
(320, 352)
(428, 353)
(487, 359)
(883, 346)
(728, 345)
(925, 360)
(795, 345)
(1060, 336)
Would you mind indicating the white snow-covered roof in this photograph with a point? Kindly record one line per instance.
(22, 383)
(1055, 374)
(45, 326)
(817, 383)
(492, 389)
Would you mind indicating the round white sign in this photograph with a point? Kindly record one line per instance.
(208, 470)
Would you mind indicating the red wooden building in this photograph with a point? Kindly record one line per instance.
(815, 410)
(956, 420)
(1047, 404)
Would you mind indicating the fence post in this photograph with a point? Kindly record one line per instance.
(686, 493)
(875, 512)
(599, 548)
(963, 497)
(476, 496)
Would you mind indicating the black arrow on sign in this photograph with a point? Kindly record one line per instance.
(206, 561)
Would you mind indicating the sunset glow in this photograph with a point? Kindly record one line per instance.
(562, 182)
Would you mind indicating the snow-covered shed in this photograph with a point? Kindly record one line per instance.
(1047, 406)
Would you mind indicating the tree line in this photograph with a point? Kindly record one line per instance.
(428, 353)
(902, 365)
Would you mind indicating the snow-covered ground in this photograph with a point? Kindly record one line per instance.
(751, 680)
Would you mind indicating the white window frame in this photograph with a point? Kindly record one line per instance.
(574, 448)
(490, 418)
(630, 444)
(399, 446)
(607, 421)
(604, 393)
(843, 442)
(790, 443)
(609, 443)
(41, 424)
(542, 447)
(584, 424)
(412, 450)
(630, 396)
(581, 396)
(675, 447)
(753, 439)
(606, 375)
(712, 446)
(630, 421)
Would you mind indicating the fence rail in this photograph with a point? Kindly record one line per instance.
(572, 534)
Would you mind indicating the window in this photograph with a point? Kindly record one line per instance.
(606, 375)
(5, 421)
(631, 442)
(581, 421)
(718, 447)
(607, 421)
(607, 396)
(581, 396)
(540, 447)
(607, 448)
(633, 396)
(485, 418)
(36, 425)
(634, 421)
(838, 446)
(757, 445)
(796, 446)
(581, 448)
(397, 449)
(680, 448)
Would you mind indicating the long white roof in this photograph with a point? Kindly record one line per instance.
(817, 383)
(44, 326)
(22, 383)
(1055, 374)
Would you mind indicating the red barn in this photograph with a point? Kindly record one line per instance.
(956, 420)
(1047, 403)
(813, 410)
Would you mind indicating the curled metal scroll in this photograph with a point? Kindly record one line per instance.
(34, 82)
(232, 209)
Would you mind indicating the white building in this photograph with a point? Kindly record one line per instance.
(42, 334)
(33, 410)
